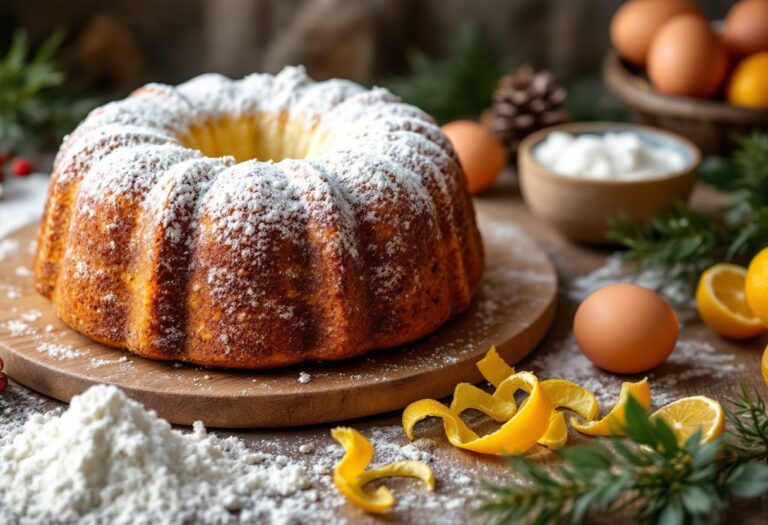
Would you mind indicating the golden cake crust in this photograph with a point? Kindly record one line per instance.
(360, 234)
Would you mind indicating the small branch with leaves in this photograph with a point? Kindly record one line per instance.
(459, 85)
(683, 243)
(648, 474)
(34, 111)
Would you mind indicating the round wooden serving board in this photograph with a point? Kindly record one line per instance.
(512, 310)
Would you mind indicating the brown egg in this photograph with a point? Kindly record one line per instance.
(481, 153)
(746, 27)
(636, 22)
(625, 329)
(687, 58)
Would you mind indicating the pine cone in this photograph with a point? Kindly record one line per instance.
(524, 101)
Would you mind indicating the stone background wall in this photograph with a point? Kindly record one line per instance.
(123, 43)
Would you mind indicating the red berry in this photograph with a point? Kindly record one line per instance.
(1, 364)
(21, 167)
(3, 382)
(2, 160)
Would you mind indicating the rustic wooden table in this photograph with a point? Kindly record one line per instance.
(702, 364)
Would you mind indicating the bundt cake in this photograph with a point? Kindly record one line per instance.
(257, 223)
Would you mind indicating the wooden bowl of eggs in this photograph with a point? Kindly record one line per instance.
(577, 177)
(676, 70)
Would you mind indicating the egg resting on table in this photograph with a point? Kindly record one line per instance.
(625, 328)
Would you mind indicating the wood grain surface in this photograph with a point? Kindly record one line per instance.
(513, 309)
(457, 471)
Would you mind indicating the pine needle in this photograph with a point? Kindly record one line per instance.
(647, 474)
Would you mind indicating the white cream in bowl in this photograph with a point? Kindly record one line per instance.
(609, 156)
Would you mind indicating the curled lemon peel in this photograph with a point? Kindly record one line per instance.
(493, 368)
(565, 394)
(614, 422)
(468, 396)
(515, 436)
(556, 434)
(350, 475)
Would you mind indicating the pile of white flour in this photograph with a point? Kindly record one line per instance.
(108, 460)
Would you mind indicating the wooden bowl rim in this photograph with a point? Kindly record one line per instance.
(580, 128)
(638, 92)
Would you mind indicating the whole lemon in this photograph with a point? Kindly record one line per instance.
(749, 82)
(756, 285)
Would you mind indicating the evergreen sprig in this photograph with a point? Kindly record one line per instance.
(459, 85)
(647, 474)
(684, 242)
(33, 112)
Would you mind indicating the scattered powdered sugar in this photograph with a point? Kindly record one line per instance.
(18, 327)
(8, 248)
(58, 351)
(23, 271)
(689, 361)
(31, 315)
(108, 460)
(616, 270)
(96, 362)
(304, 378)
(11, 292)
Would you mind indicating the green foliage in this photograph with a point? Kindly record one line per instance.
(458, 86)
(648, 475)
(33, 113)
(683, 243)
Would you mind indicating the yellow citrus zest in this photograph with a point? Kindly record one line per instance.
(722, 302)
(493, 368)
(756, 286)
(515, 436)
(350, 475)
(688, 415)
(564, 394)
(467, 396)
(613, 423)
(556, 434)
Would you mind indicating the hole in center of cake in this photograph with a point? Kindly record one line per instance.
(261, 137)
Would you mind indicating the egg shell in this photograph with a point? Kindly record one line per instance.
(636, 22)
(625, 328)
(481, 153)
(687, 58)
(746, 27)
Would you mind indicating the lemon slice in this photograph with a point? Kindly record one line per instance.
(722, 302)
(764, 365)
(515, 436)
(613, 423)
(756, 286)
(350, 475)
(690, 414)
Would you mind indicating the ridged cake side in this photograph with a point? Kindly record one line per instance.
(368, 242)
